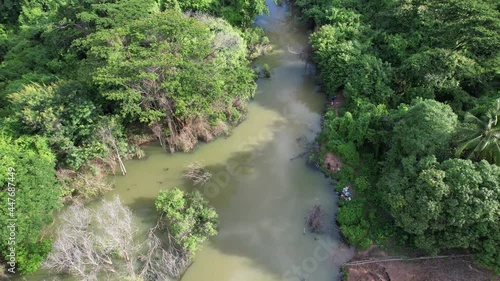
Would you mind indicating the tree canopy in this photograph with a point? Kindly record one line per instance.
(419, 79)
(177, 87)
(30, 190)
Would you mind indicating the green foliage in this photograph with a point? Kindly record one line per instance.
(481, 137)
(64, 114)
(36, 197)
(257, 42)
(453, 204)
(426, 129)
(353, 224)
(239, 13)
(191, 220)
(171, 84)
(407, 69)
(335, 51)
(75, 75)
(348, 152)
(267, 70)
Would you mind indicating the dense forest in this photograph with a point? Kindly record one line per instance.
(418, 134)
(83, 83)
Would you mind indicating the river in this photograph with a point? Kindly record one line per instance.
(260, 194)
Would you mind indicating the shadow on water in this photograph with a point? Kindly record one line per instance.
(262, 198)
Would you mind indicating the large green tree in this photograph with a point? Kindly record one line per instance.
(426, 129)
(453, 204)
(29, 194)
(185, 77)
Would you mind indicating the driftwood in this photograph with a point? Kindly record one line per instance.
(314, 220)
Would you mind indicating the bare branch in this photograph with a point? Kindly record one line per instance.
(197, 173)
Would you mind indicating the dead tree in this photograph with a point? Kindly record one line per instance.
(197, 173)
(109, 140)
(115, 231)
(73, 250)
(87, 242)
(163, 258)
(314, 220)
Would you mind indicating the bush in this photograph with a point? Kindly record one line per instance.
(189, 217)
(266, 70)
(361, 184)
(348, 153)
(353, 224)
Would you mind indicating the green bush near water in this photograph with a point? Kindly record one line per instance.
(189, 217)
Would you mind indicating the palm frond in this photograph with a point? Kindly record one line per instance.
(468, 145)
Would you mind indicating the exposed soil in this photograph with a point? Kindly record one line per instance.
(332, 162)
(337, 103)
(446, 269)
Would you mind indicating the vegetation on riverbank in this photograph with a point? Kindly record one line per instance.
(83, 83)
(418, 134)
(91, 243)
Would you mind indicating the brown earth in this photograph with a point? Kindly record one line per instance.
(332, 162)
(445, 269)
(337, 104)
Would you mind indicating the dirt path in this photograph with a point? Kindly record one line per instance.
(443, 269)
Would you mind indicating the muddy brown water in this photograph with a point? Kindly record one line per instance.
(261, 195)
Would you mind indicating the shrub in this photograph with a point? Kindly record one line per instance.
(189, 217)
(266, 70)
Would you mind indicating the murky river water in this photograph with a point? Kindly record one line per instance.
(261, 195)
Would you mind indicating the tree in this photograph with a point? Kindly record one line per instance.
(64, 114)
(335, 51)
(171, 73)
(453, 204)
(189, 217)
(29, 188)
(426, 129)
(481, 137)
(90, 242)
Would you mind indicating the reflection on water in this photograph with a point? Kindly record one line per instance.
(261, 195)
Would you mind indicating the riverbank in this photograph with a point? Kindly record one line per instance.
(374, 264)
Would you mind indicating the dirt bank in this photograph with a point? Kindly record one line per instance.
(459, 268)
